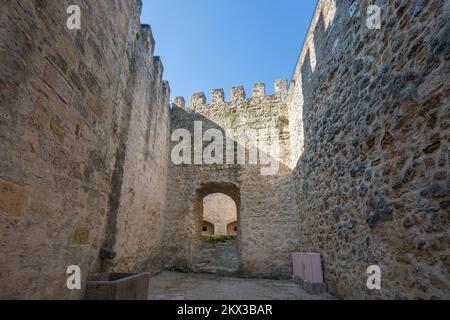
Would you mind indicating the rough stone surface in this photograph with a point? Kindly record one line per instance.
(84, 125)
(181, 286)
(267, 219)
(86, 176)
(220, 258)
(369, 118)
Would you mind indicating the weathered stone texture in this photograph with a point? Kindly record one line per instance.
(82, 114)
(267, 221)
(363, 169)
(369, 115)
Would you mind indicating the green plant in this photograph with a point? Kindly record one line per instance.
(217, 238)
(138, 36)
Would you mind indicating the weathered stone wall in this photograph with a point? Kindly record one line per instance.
(220, 210)
(267, 221)
(82, 115)
(85, 173)
(136, 223)
(369, 117)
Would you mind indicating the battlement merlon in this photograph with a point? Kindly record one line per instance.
(281, 87)
(218, 96)
(198, 99)
(166, 93)
(238, 95)
(259, 90)
(147, 41)
(158, 68)
(179, 102)
(147, 35)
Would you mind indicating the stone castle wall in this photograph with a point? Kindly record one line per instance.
(87, 177)
(84, 126)
(267, 221)
(369, 118)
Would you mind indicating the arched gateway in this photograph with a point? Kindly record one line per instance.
(219, 254)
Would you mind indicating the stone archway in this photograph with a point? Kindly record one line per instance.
(222, 258)
(219, 210)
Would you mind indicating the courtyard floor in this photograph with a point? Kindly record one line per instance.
(188, 286)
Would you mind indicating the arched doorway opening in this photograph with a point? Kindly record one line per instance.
(217, 204)
(219, 209)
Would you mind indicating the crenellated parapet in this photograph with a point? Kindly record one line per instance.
(147, 35)
(199, 104)
(153, 63)
(260, 115)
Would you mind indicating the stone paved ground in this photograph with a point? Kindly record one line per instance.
(183, 286)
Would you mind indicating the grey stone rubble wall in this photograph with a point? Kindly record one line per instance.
(369, 117)
(83, 113)
(267, 221)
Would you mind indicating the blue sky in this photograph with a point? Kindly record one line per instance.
(208, 44)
